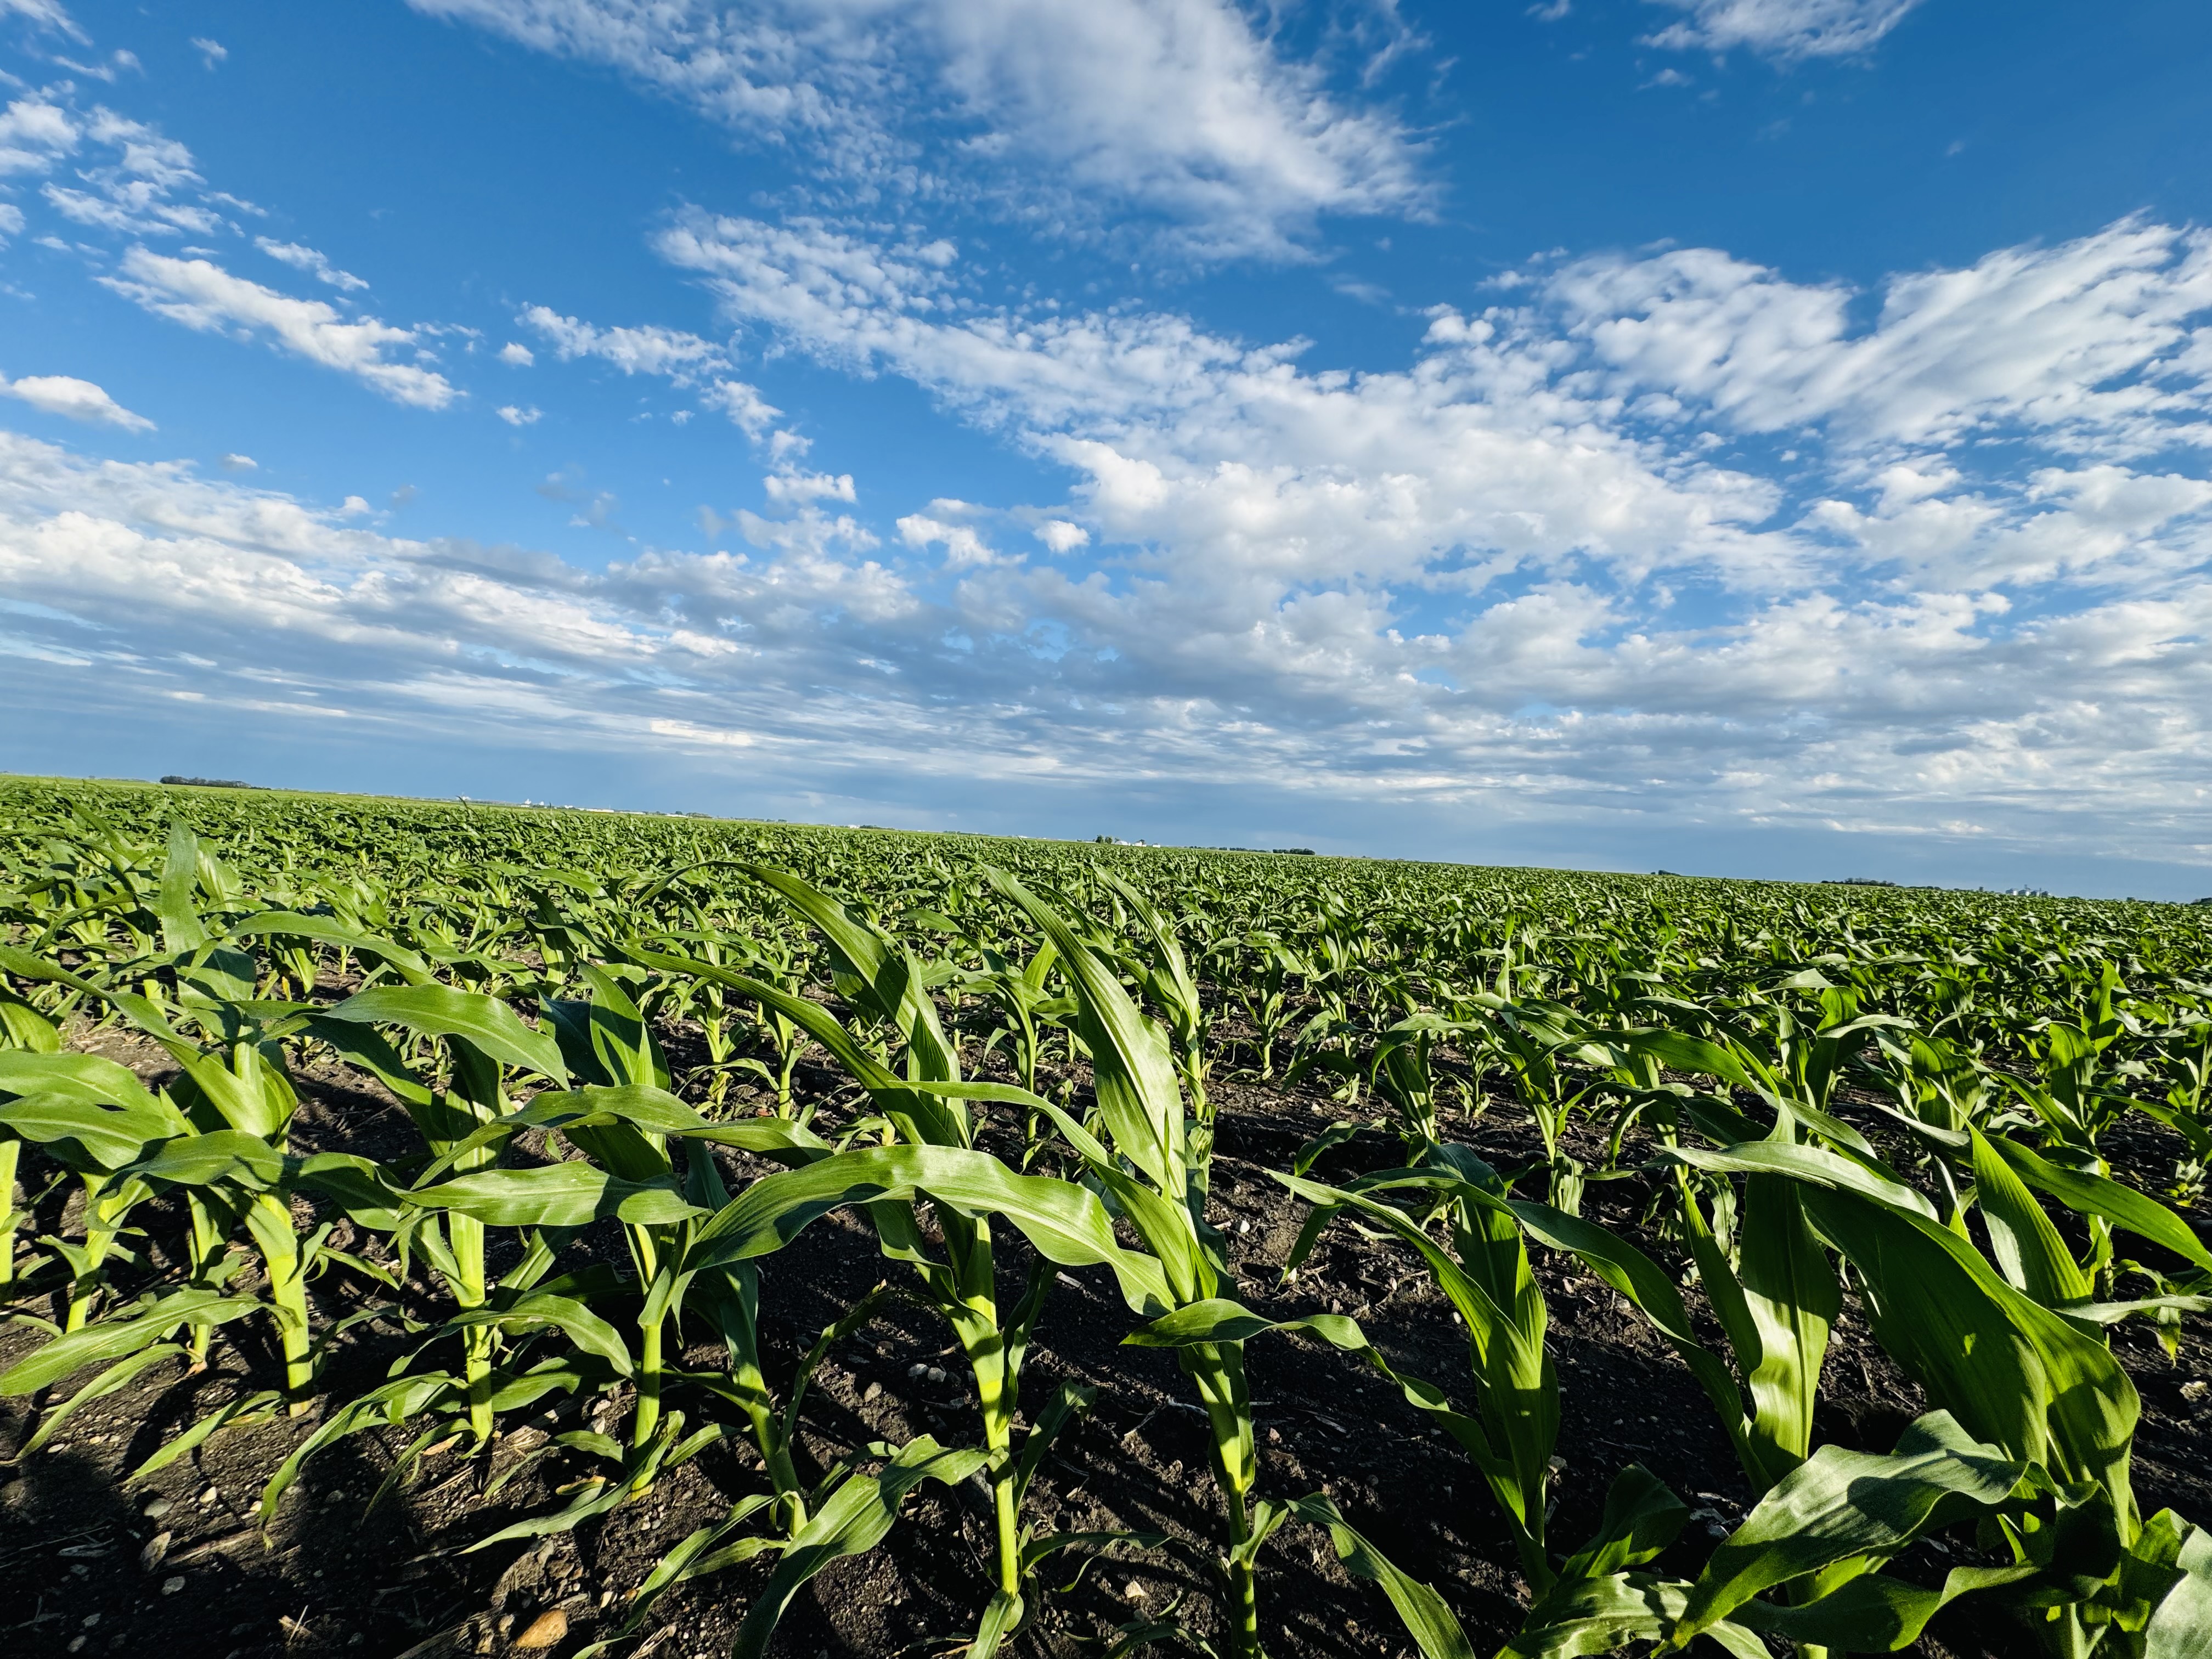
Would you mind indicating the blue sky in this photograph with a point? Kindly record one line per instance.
(1740, 436)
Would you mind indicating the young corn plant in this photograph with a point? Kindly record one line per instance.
(1485, 1273)
(925, 1111)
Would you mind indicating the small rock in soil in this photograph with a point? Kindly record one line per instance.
(544, 1630)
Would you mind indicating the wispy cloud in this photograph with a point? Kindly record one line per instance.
(202, 294)
(1786, 30)
(1180, 114)
(651, 349)
(300, 256)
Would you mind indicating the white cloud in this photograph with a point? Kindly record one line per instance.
(237, 463)
(200, 294)
(963, 547)
(1061, 536)
(1191, 440)
(1784, 29)
(744, 406)
(652, 349)
(300, 256)
(213, 52)
(2089, 341)
(791, 488)
(690, 732)
(80, 400)
(516, 415)
(47, 14)
(1899, 712)
(1181, 113)
(34, 133)
(132, 185)
(517, 354)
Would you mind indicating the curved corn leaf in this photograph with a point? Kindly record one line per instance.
(1132, 1070)
(557, 1195)
(112, 1338)
(2014, 1372)
(856, 1518)
(329, 930)
(2099, 1195)
(1842, 1505)
(490, 1025)
(1426, 1619)
(1064, 1222)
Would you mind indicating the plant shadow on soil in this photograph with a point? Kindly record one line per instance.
(338, 1576)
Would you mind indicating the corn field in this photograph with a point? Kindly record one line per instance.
(436, 1229)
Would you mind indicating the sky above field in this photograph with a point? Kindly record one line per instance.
(1761, 437)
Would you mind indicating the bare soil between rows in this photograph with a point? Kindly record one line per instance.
(176, 1565)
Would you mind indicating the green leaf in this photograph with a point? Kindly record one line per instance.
(2027, 1247)
(329, 930)
(2181, 1626)
(1603, 1615)
(1132, 1069)
(542, 1309)
(1791, 1298)
(111, 1340)
(1064, 1222)
(572, 1194)
(1874, 1613)
(206, 1160)
(181, 874)
(856, 1518)
(1641, 1517)
(2015, 1373)
(1842, 1505)
(494, 1028)
(93, 1113)
(2095, 1194)
(1426, 1619)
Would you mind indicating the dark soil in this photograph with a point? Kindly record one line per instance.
(176, 1564)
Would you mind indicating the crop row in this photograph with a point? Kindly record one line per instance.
(1032, 1038)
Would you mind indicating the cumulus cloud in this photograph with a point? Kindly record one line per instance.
(517, 354)
(1179, 112)
(80, 400)
(202, 294)
(792, 488)
(963, 547)
(751, 412)
(514, 415)
(1787, 30)
(1903, 712)
(211, 51)
(34, 133)
(300, 256)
